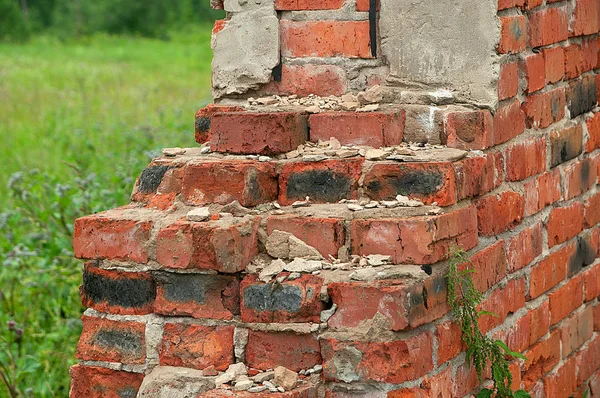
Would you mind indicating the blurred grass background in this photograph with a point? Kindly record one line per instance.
(83, 108)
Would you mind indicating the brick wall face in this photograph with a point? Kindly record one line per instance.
(175, 298)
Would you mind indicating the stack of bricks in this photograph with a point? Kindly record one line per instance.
(173, 300)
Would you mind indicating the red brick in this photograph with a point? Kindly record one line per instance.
(469, 130)
(592, 282)
(539, 322)
(490, 266)
(534, 69)
(548, 26)
(420, 240)
(364, 5)
(298, 5)
(504, 4)
(295, 300)
(376, 129)
(509, 122)
(531, 4)
(216, 4)
(589, 49)
(573, 61)
(564, 223)
(565, 299)
(302, 80)
(593, 128)
(224, 246)
(112, 341)
(592, 210)
(197, 295)
(117, 292)
(525, 159)
(562, 382)
(585, 18)
(97, 382)
(576, 331)
(579, 178)
(581, 95)
(257, 133)
(114, 235)
(554, 59)
(390, 362)
(402, 305)
(542, 191)
(550, 271)
(478, 175)
(513, 34)
(508, 82)
(197, 346)
(203, 118)
(465, 380)
(497, 213)
(327, 235)
(541, 358)
(543, 109)
(328, 181)
(325, 39)
(597, 318)
(219, 26)
(267, 350)
(518, 336)
(305, 390)
(525, 247)
(588, 360)
(566, 144)
(249, 182)
(158, 185)
(428, 182)
(502, 301)
(450, 343)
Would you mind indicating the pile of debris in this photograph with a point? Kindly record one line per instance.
(239, 378)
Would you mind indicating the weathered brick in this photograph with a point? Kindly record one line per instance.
(565, 144)
(504, 4)
(508, 82)
(114, 235)
(306, 389)
(502, 301)
(203, 120)
(418, 240)
(534, 70)
(525, 247)
(529, 328)
(224, 245)
(541, 358)
(513, 34)
(390, 362)
(97, 382)
(550, 271)
(542, 191)
(573, 61)
(585, 18)
(158, 185)
(543, 109)
(325, 39)
(326, 181)
(525, 159)
(117, 292)
(587, 246)
(402, 305)
(257, 133)
(112, 341)
(428, 182)
(554, 60)
(267, 350)
(531, 4)
(298, 5)
(591, 280)
(197, 346)
(597, 317)
(566, 299)
(478, 175)
(303, 80)
(576, 331)
(592, 210)
(509, 122)
(197, 295)
(450, 343)
(579, 178)
(589, 49)
(465, 380)
(296, 300)
(327, 235)
(376, 129)
(582, 96)
(564, 223)
(490, 266)
(588, 360)
(469, 130)
(593, 128)
(548, 26)
(497, 213)
(562, 383)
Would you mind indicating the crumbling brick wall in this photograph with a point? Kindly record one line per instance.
(310, 230)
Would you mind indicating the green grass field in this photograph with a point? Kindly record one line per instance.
(78, 122)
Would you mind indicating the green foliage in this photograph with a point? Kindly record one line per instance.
(463, 298)
(13, 25)
(80, 120)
